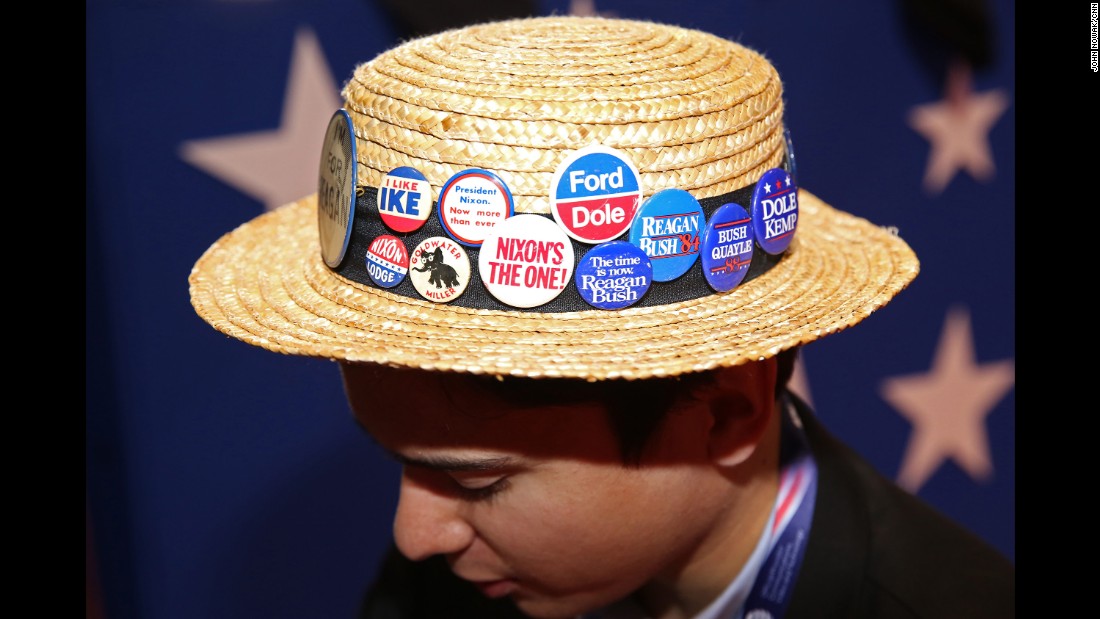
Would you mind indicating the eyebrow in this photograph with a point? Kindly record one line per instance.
(451, 463)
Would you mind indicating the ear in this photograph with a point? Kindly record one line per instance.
(740, 406)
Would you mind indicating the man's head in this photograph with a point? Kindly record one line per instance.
(542, 489)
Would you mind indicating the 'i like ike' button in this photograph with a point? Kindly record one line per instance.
(404, 199)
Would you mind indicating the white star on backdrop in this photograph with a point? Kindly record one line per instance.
(948, 406)
(280, 165)
(957, 127)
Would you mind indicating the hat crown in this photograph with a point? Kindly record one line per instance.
(693, 111)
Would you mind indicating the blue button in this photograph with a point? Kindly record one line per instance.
(775, 210)
(613, 275)
(727, 247)
(790, 157)
(667, 229)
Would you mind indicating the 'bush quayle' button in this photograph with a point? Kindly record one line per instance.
(439, 269)
(727, 247)
(667, 229)
(336, 189)
(526, 261)
(471, 203)
(774, 211)
(404, 199)
(595, 194)
(613, 275)
(387, 261)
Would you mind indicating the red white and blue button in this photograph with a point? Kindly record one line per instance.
(613, 275)
(667, 229)
(727, 247)
(471, 202)
(387, 261)
(336, 188)
(775, 210)
(404, 199)
(595, 194)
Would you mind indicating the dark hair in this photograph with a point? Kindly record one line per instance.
(635, 408)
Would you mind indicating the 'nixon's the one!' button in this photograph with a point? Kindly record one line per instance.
(727, 247)
(613, 275)
(387, 261)
(775, 211)
(595, 194)
(439, 269)
(526, 261)
(471, 203)
(404, 199)
(336, 189)
(667, 229)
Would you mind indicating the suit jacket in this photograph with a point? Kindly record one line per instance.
(874, 551)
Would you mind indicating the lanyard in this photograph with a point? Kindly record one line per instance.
(789, 528)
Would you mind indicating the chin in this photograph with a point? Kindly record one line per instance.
(545, 607)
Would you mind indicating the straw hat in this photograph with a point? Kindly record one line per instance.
(514, 104)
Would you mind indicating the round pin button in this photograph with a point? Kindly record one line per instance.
(404, 199)
(613, 275)
(774, 210)
(471, 203)
(336, 189)
(595, 194)
(387, 261)
(439, 269)
(526, 261)
(727, 247)
(667, 229)
(791, 166)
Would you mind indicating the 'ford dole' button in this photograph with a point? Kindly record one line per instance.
(595, 194)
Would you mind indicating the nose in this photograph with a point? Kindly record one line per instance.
(428, 523)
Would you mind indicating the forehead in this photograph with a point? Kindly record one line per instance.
(413, 409)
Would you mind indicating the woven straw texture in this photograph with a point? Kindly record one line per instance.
(692, 110)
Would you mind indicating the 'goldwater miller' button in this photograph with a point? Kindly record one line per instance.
(471, 203)
(774, 211)
(439, 269)
(667, 229)
(404, 199)
(526, 261)
(595, 194)
(613, 275)
(727, 247)
(387, 261)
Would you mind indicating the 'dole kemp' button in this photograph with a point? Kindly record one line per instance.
(595, 193)
(404, 199)
(667, 229)
(774, 211)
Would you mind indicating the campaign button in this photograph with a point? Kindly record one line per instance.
(595, 194)
(526, 261)
(404, 199)
(667, 229)
(791, 167)
(613, 275)
(439, 269)
(727, 247)
(471, 203)
(336, 189)
(387, 261)
(774, 210)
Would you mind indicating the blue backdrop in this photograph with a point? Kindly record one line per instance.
(227, 481)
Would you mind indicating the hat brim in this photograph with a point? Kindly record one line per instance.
(266, 284)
